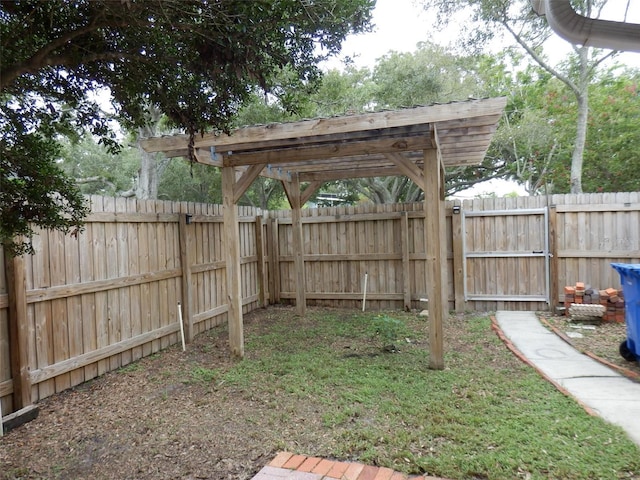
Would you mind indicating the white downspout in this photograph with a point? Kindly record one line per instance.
(589, 32)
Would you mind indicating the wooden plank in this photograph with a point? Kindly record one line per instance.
(354, 217)
(124, 294)
(349, 296)
(106, 353)
(436, 277)
(245, 181)
(335, 125)
(608, 207)
(59, 324)
(271, 259)
(406, 278)
(554, 288)
(114, 320)
(292, 189)
(145, 288)
(343, 257)
(329, 152)
(6, 388)
(87, 313)
(174, 285)
(42, 312)
(185, 264)
(458, 260)
(18, 332)
(154, 288)
(587, 253)
(164, 317)
(277, 282)
(207, 239)
(197, 257)
(74, 305)
(232, 257)
(214, 312)
(261, 270)
(407, 168)
(130, 217)
(312, 188)
(75, 289)
(134, 269)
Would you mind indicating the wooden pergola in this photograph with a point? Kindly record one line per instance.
(416, 142)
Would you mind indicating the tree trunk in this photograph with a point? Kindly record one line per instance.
(577, 157)
(582, 98)
(152, 165)
(148, 176)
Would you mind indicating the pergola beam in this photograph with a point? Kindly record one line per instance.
(329, 151)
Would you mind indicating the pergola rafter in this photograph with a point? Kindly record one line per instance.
(419, 143)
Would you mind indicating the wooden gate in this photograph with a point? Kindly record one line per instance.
(506, 255)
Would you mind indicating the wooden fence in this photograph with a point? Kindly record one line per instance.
(108, 297)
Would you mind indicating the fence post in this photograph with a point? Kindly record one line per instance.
(18, 330)
(458, 266)
(406, 278)
(185, 261)
(260, 254)
(553, 265)
(274, 260)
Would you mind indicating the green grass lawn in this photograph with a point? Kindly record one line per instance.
(485, 416)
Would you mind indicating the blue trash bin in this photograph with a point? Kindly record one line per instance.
(630, 277)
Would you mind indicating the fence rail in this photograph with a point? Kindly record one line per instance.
(98, 301)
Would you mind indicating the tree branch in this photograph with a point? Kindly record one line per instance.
(44, 56)
(539, 60)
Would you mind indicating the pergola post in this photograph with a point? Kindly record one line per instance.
(232, 257)
(292, 189)
(434, 218)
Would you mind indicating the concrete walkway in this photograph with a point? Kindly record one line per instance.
(609, 394)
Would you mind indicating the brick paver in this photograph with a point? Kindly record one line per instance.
(289, 466)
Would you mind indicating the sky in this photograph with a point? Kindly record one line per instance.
(401, 24)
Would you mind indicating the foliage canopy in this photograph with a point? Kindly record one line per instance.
(195, 60)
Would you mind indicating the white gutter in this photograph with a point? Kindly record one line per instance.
(590, 32)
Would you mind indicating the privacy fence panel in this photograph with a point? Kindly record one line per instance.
(109, 295)
(343, 245)
(594, 230)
